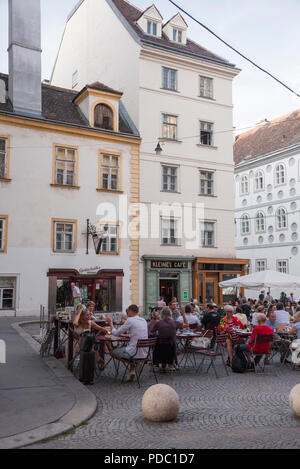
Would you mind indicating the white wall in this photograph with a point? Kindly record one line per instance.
(285, 244)
(30, 203)
(97, 45)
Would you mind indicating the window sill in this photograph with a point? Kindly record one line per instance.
(212, 147)
(208, 195)
(110, 191)
(171, 245)
(169, 89)
(207, 97)
(103, 254)
(171, 140)
(5, 180)
(59, 186)
(171, 192)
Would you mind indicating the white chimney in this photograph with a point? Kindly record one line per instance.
(24, 86)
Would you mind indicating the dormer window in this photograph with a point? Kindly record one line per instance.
(152, 28)
(103, 117)
(177, 35)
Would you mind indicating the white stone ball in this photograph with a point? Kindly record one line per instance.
(295, 400)
(160, 403)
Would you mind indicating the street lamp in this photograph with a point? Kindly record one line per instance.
(98, 238)
(158, 149)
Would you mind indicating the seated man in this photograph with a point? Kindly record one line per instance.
(137, 329)
(191, 318)
(282, 316)
(260, 348)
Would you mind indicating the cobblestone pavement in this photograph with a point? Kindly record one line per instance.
(239, 411)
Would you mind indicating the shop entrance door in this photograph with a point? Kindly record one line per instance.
(211, 287)
(168, 288)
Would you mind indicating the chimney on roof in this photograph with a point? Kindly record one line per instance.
(24, 51)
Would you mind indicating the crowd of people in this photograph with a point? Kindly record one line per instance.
(262, 317)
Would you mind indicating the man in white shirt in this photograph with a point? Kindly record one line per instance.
(191, 318)
(137, 329)
(76, 295)
(282, 316)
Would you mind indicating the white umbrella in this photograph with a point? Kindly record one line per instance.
(265, 279)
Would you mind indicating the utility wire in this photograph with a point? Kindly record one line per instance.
(235, 50)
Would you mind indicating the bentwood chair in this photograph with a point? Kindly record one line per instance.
(140, 363)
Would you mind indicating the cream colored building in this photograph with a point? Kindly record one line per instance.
(179, 94)
(64, 158)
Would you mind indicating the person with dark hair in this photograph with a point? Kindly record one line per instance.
(174, 310)
(282, 316)
(137, 329)
(192, 320)
(246, 308)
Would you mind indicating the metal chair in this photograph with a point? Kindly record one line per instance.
(258, 358)
(212, 355)
(139, 363)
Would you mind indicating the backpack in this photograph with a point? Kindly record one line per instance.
(239, 361)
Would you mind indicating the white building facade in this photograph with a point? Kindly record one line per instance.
(180, 95)
(267, 176)
(63, 161)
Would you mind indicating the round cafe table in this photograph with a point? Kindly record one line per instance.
(104, 340)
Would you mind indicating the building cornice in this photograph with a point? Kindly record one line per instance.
(67, 129)
(267, 158)
(151, 52)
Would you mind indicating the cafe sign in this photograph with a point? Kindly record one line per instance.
(169, 265)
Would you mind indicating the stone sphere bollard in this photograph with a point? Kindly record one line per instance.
(160, 403)
(295, 400)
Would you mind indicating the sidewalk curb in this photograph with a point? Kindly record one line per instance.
(84, 408)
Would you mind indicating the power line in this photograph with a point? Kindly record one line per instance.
(235, 50)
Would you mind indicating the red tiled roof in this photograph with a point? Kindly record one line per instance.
(132, 14)
(268, 137)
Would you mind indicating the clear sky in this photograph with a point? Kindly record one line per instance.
(265, 30)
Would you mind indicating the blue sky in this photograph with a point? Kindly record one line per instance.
(265, 30)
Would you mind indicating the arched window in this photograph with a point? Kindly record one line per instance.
(281, 218)
(244, 185)
(280, 174)
(259, 181)
(260, 222)
(103, 117)
(245, 224)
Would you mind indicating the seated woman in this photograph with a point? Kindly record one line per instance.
(226, 326)
(82, 323)
(165, 353)
(155, 317)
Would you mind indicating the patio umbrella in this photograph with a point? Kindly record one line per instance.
(264, 279)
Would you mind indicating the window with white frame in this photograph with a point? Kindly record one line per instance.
(177, 35)
(65, 166)
(3, 158)
(206, 87)
(280, 177)
(2, 233)
(260, 265)
(206, 183)
(170, 178)
(206, 133)
(260, 222)
(169, 129)
(281, 218)
(208, 234)
(75, 79)
(244, 185)
(245, 224)
(110, 172)
(259, 181)
(170, 232)
(282, 265)
(64, 237)
(170, 80)
(110, 243)
(7, 293)
(151, 28)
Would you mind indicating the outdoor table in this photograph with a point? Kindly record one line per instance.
(186, 338)
(109, 339)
